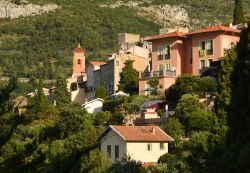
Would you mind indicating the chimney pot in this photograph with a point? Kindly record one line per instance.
(153, 130)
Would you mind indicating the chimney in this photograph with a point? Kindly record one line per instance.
(153, 130)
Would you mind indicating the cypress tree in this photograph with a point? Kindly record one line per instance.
(223, 96)
(238, 12)
(40, 97)
(62, 95)
(129, 79)
(239, 119)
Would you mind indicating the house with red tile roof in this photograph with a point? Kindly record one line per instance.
(142, 143)
(177, 53)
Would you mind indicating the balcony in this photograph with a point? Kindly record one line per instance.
(168, 73)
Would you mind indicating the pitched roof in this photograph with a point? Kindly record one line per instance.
(97, 99)
(213, 29)
(166, 35)
(99, 63)
(141, 133)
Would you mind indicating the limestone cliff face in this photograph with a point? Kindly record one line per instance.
(10, 10)
(164, 15)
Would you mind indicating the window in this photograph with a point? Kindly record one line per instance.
(202, 64)
(117, 63)
(161, 67)
(202, 48)
(167, 52)
(109, 150)
(160, 53)
(149, 147)
(162, 146)
(210, 47)
(116, 151)
(202, 45)
(168, 67)
(79, 61)
(209, 62)
(191, 56)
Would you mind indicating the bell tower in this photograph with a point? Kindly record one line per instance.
(78, 62)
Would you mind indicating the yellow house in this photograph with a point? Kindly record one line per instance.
(142, 143)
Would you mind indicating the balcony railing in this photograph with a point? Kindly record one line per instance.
(168, 73)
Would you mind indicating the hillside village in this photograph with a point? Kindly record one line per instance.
(172, 102)
(164, 57)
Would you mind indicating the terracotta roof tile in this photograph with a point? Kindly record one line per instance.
(141, 133)
(214, 28)
(166, 35)
(78, 50)
(99, 63)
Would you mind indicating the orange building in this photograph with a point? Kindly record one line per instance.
(177, 53)
(78, 62)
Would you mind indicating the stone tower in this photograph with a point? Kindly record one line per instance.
(78, 62)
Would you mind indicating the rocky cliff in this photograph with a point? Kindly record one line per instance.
(11, 10)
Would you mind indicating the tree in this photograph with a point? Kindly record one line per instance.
(175, 129)
(129, 79)
(223, 96)
(189, 85)
(62, 95)
(185, 107)
(40, 97)
(102, 117)
(200, 120)
(100, 92)
(153, 83)
(238, 12)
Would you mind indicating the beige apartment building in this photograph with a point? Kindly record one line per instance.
(110, 72)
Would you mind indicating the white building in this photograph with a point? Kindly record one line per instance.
(141, 143)
(94, 106)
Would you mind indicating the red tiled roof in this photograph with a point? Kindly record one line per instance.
(97, 63)
(79, 49)
(166, 35)
(147, 164)
(214, 28)
(141, 133)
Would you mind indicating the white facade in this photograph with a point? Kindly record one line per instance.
(117, 147)
(94, 106)
(140, 150)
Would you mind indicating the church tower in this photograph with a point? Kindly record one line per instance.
(78, 62)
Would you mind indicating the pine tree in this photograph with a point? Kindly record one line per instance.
(129, 79)
(238, 12)
(62, 96)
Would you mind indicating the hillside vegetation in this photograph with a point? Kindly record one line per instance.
(41, 45)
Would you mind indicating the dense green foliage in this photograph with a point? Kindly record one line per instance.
(48, 139)
(100, 92)
(129, 79)
(238, 12)
(189, 84)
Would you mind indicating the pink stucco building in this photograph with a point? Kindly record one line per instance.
(178, 53)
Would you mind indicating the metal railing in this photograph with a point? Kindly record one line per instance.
(168, 73)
